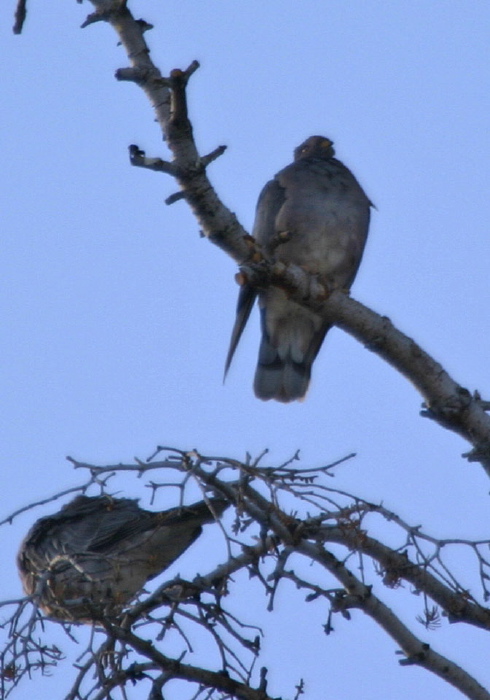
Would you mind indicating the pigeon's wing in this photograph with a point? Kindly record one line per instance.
(88, 524)
(325, 214)
(269, 204)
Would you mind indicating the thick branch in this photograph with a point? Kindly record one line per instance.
(417, 652)
(357, 594)
(131, 34)
(450, 404)
(457, 606)
(399, 566)
(168, 97)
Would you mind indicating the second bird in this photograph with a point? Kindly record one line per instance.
(89, 560)
(314, 214)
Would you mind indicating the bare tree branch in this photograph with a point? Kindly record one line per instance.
(257, 491)
(186, 672)
(20, 16)
(446, 401)
(397, 566)
(418, 653)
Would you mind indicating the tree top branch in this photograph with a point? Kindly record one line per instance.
(447, 402)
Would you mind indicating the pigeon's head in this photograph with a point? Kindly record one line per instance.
(315, 147)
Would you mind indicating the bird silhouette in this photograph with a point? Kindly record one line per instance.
(90, 559)
(313, 214)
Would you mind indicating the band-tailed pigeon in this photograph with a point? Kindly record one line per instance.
(314, 214)
(92, 557)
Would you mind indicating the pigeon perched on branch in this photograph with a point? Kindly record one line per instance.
(314, 214)
(90, 559)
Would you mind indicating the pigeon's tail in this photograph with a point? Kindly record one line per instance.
(284, 370)
(282, 380)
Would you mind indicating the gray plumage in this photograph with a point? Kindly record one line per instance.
(314, 214)
(91, 558)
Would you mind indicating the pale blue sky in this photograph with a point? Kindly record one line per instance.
(116, 316)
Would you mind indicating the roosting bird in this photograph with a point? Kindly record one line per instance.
(313, 214)
(90, 559)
